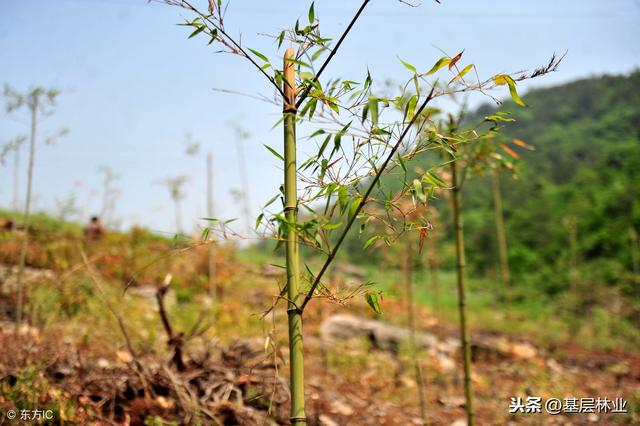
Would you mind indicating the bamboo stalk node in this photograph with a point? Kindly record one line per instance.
(289, 83)
(294, 310)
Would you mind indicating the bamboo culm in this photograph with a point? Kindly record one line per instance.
(211, 251)
(462, 296)
(411, 324)
(501, 236)
(27, 206)
(294, 313)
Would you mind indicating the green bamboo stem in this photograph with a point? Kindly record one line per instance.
(573, 256)
(434, 275)
(411, 323)
(211, 248)
(462, 296)
(292, 253)
(16, 177)
(33, 106)
(635, 258)
(505, 272)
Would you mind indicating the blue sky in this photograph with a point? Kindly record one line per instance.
(133, 85)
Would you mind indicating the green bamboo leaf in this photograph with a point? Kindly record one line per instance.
(373, 302)
(442, 62)
(271, 200)
(259, 220)
(332, 226)
(354, 206)
(343, 197)
(312, 14)
(409, 66)
(433, 179)
(280, 38)
(373, 110)
(198, 30)
(514, 93)
(411, 107)
(417, 186)
(462, 73)
(501, 80)
(402, 163)
(371, 240)
(258, 54)
(274, 152)
(324, 145)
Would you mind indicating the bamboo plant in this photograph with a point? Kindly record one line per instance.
(501, 235)
(359, 137)
(14, 145)
(38, 101)
(478, 150)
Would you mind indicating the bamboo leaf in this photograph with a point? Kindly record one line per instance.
(514, 93)
(258, 54)
(411, 107)
(312, 13)
(442, 62)
(373, 302)
(501, 80)
(371, 240)
(409, 66)
(433, 179)
(274, 152)
(524, 145)
(509, 151)
(423, 234)
(198, 30)
(271, 200)
(461, 73)
(417, 186)
(259, 220)
(455, 59)
(373, 110)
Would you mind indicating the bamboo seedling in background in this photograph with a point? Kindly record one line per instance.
(434, 269)
(501, 235)
(38, 101)
(411, 324)
(634, 249)
(14, 145)
(175, 186)
(456, 203)
(192, 148)
(211, 246)
(245, 198)
(109, 194)
(485, 153)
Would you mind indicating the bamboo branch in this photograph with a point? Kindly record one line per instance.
(365, 198)
(235, 44)
(306, 91)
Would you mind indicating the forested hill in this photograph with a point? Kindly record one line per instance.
(584, 175)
